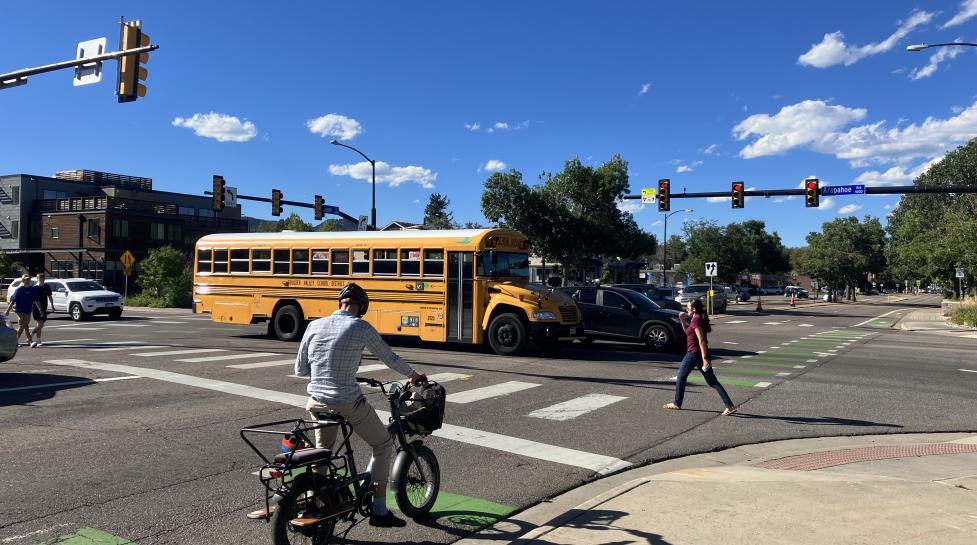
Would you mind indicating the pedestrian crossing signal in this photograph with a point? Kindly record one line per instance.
(738, 195)
(664, 198)
(811, 193)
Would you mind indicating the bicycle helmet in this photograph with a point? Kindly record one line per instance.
(353, 294)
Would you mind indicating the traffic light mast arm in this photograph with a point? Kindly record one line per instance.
(339, 213)
(11, 79)
(891, 190)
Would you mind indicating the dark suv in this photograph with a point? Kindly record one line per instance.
(659, 297)
(621, 314)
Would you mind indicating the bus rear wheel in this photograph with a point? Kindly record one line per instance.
(507, 335)
(288, 323)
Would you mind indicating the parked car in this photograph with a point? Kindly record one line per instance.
(621, 314)
(797, 292)
(660, 296)
(701, 291)
(82, 298)
(742, 293)
(8, 340)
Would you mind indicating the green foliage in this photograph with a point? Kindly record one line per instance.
(293, 222)
(844, 252)
(8, 267)
(572, 216)
(330, 225)
(737, 248)
(436, 213)
(606, 277)
(965, 315)
(166, 279)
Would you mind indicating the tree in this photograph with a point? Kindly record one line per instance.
(572, 216)
(166, 275)
(293, 222)
(844, 251)
(330, 225)
(436, 213)
(8, 267)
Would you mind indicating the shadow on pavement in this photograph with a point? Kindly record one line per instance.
(34, 390)
(816, 421)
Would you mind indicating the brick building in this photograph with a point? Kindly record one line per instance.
(79, 223)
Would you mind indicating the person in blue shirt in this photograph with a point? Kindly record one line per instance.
(23, 302)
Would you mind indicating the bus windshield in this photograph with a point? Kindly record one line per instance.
(503, 264)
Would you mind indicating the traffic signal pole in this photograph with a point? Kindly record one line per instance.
(19, 77)
(338, 212)
(891, 190)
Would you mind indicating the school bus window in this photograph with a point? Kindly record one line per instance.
(410, 262)
(320, 261)
(281, 260)
(340, 262)
(300, 262)
(239, 260)
(220, 261)
(385, 262)
(433, 262)
(261, 260)
(204, 259)
(361, 262)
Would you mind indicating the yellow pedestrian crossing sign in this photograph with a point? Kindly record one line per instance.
(127, 260)
(648, 195)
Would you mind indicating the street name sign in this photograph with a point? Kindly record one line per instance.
(711, 268)
(648, 195)
(843, 190)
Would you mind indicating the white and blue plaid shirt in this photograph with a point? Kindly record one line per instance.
(330, 355)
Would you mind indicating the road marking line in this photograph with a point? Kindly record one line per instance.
(783, 374)
(69, 383)
(746, 356)
(597, 463)
(110, 324)
(179, 352)
(166, 322)
(370, 368)
(773, 323)
(831, 350)
(728, 361)
(82, 328)
(729, 342)
(65, 341)
(968, 370)
(496, 390)
(229, 357)
(260, 364)
(805, 325)
(448, 377)
(137, 347)
(811, 361)
(801, 366)
(761, 351)
(879, 316)
(736, 322)
(573, 408)
(762, 384)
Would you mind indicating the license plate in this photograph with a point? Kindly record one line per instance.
(573, 331)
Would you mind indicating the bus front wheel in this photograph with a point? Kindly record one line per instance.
(288, 323)
(507, 335)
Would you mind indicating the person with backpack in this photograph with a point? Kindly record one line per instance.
(697, 356)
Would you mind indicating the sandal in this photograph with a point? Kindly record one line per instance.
(671, 407)
(730, 410)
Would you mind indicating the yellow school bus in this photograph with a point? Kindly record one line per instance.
(464, 286)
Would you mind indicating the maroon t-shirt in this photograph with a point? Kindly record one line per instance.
(691, 338)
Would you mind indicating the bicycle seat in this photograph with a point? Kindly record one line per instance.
(304, 456)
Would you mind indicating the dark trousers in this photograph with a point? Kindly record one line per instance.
(693, 360)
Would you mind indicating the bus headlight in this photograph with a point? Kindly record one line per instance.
(543, 315)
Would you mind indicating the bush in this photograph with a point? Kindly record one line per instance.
(965, 315)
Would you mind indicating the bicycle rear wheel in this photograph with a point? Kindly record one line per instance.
(301, 501)
(417, 482)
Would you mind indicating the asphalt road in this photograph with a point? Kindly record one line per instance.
(130, 428)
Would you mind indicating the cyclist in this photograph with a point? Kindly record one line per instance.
(329, 356)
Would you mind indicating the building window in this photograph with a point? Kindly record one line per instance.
(174, 232)
(15, 194)
(205, 212)
(49, 195)
(94, 229)
(260, 261)
(157, 231)
(300, 262)
(340, 262)
(433, 262)
(320, 261)
(92, 270)
(410, 262)
(62, 269)
(282, 261)
(120, 228)
(186, 211)
(55, 232)
(14, 228)
(239, 261)
(385, 262)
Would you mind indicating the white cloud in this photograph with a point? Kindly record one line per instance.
(506, 126)
(656, 223)
(473, 126)
(849, 208)
(644, 88)
(221, 127)
(968, 9)
(795, 125)
(386, 174)
(631, 205)
(814, 124)
(501, 125)
(779, 200)
(683, 168)
(956, 109)
(897, 175)
(710, 149)
(416, 201)
(719, 199)
(494, 165)
(340, 126)
(887, 207)
(942, 54)
(826, 203)
(832, 50)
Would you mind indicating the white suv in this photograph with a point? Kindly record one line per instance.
(81, 298)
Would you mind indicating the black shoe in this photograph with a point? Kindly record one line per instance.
(387, 521)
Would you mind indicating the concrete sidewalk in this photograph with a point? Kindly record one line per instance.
(890, 489)
(928, 319)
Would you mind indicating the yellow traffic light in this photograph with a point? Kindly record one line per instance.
(664, 202)
(218, 193)
(276, 202)
(738, 195)
(131, 73)
(319, 205)
(811, 193)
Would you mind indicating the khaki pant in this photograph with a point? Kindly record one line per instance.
(365, 423)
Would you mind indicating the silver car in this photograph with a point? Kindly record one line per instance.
(701, 291)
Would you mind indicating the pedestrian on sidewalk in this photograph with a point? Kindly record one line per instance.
(697, 356)
(23, 302)
(40, 306)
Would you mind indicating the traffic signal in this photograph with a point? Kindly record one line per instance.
(218, 193)
(131, 72)
(738, 195)
(276, 202)
(319, 204)
(811, 193)
(663, 196)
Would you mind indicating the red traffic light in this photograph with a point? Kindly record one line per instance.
(812, 185)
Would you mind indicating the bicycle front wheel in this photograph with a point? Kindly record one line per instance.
(417, 482)
(303, 500)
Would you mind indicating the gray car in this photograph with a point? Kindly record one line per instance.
(701, 291)
(660, 296)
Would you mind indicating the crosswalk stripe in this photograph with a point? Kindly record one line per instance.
(180, 352)
(260, 364)
(135, 347)
(735, 322)
(573, 408)
(773, 323)
(447, 377)
(371, 368)
(228, 357)
(805, 325)
(115, 324)
(80, 328)
(762, 384)
(69, 383)
(166, 322)
(478, 394)
(67, 341)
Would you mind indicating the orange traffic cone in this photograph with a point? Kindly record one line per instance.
(792, 300)
(759, 303)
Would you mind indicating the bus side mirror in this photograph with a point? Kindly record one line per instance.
(576, 296)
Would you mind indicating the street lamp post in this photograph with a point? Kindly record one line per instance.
(920, 47)
(665, 247)
(373, 208)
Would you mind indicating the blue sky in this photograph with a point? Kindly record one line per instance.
(443, 93)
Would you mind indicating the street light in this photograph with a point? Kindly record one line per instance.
(665, 247)
(920, 47)
(373, 208)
